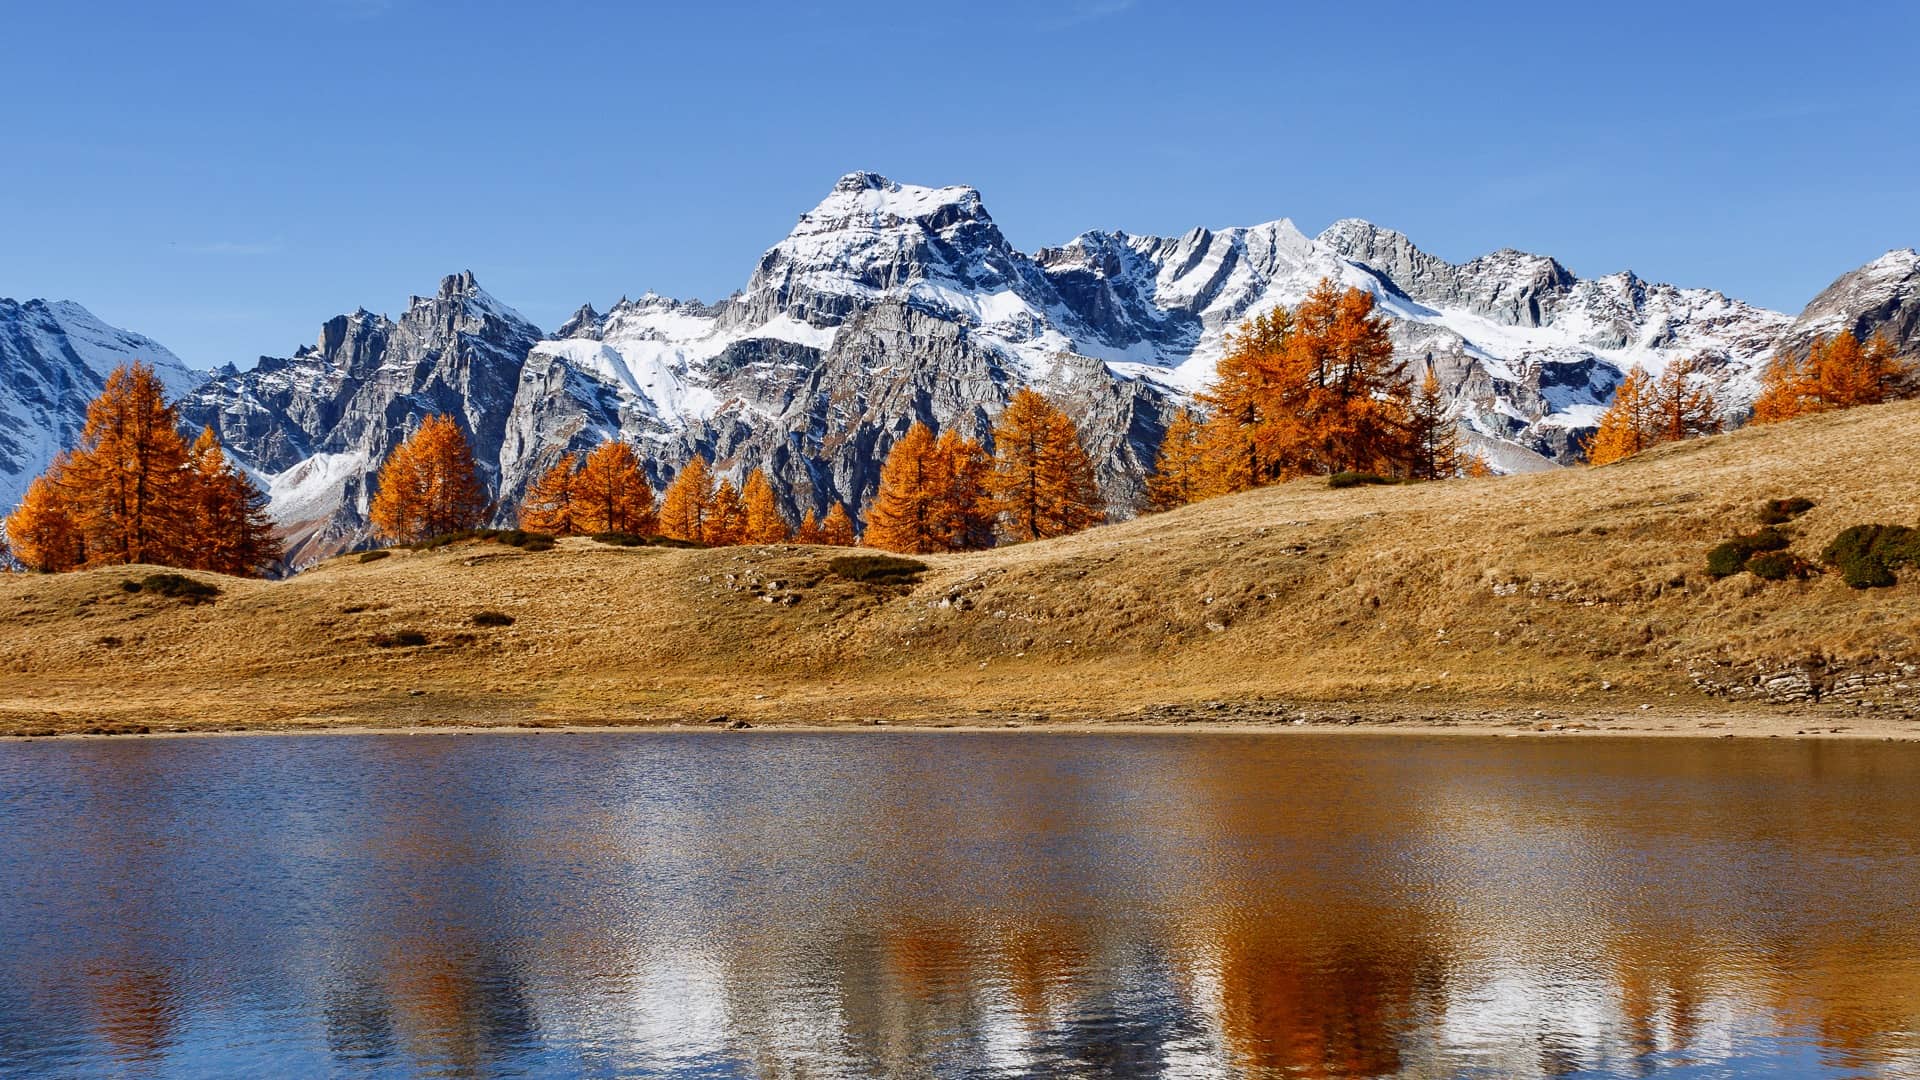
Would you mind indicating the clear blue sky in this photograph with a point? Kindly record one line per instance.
(225, 176)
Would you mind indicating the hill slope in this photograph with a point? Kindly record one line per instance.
(1580, 592)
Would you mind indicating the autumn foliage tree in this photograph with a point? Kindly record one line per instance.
(726, 522)
(837, 529)
(808, 531)
(1181, 473)
(765, 523)
(932, 495)
(1838, 373)
(228, 530)
(429, 486)
(549, 503)
(688, 505)
(126, 474)
(611, 494)
(1433, 439)
(1042, 483)
(1626, 428)
(44, 531)
(1683, 406)
(132, 491)
(1647, 412)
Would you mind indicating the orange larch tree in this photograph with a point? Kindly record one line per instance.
(1340, 393)
(228, 531)
(765, 523)
(611, 494)
(965, 520)
(549, 503)
(837, 529)
(907, 511)
(1180, 470)
(133, 492)
(1838, 373)
(1433, 438)
(1628, 425)
(1042, 483)
(1238, 436)
(688, 503)
(123, 481)
(1313, 390)
(727, 519)
(1682, 406)
(809, 530)
(42, 531)
(429, 485)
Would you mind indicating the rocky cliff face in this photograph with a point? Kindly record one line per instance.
(316, 426)
(1880, 299)
(54, 358)
(889, 304)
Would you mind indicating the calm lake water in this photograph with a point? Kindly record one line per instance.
(911, 905)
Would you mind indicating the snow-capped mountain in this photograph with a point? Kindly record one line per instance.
(890, 303)
(54, 358)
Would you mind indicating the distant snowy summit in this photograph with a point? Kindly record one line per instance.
(54, 358)
(891, 303)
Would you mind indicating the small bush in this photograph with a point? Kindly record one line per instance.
(174, 587)
(536, 545)
(878, 569)
(621, 539)
(1781, 511)
(1867, 555)
(374, 556)
(519, 538)
(1727, 559)
(399, 639)
(1355, 479)
(1779, 566)
(491, 618)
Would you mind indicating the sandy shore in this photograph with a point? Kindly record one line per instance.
(1221, 718)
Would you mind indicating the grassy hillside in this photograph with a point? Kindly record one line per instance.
(1581, 593)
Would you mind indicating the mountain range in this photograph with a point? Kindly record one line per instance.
(890, 303)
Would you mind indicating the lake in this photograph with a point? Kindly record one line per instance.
(910, 904)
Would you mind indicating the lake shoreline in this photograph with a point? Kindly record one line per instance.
(1678, 724)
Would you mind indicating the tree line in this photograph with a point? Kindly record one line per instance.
(1837, 373)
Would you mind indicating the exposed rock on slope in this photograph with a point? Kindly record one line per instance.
(54, 358)
(316, 425)
(1881, 298)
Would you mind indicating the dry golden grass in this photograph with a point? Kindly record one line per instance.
(1581, 592)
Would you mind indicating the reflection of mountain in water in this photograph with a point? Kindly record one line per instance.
(961, 905)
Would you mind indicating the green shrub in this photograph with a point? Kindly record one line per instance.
(491, 618)
(1867, 555)
(1779, 566)
(1727, 559)
(175, 587)
(1731, 557)
(1355, 479)
(878, 569)
(399, 639)
(374, 556)
(621, 539)
(519, 538)
(1781, 511)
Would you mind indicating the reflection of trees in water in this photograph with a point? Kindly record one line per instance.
(1095, 907)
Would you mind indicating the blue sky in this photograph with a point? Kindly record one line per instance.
(225, 176)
